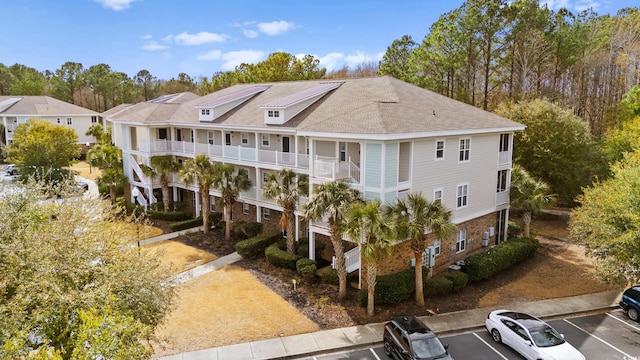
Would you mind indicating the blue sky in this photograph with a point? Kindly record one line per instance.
(199, 38)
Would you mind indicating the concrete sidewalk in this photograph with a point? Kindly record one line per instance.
(303, 345)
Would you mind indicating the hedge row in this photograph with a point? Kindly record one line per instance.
(484, 265)
(244, 230)
(169, 216)
(186, 224)
(445, 284)
(253, 247)
(281, 258)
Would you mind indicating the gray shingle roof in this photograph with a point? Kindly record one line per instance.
(375, 106)
(43, 105)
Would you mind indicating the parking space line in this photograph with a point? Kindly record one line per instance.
(624, 322)
(374, 354)
(589, 334)
(490, 347)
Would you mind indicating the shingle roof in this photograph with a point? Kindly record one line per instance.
(377, 105)
(237, 95)
(313, 91)
(42, 105)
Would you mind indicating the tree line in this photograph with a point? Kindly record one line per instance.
(488, 52)
(100, 88)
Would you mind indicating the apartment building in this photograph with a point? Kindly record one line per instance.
(15, 110)
(387, 138)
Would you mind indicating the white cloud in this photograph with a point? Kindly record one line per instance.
(146, 37)
(587, 4)
(154, 46)
(332, 61)
(200, 38)
(235, 58)
(115, 5)
(275, 27)
(359, 57)
(210, 55)
(555, 4)
(251, 34)
(335, 60)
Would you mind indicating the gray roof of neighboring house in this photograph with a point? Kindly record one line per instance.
(42, 105)
(377, 105)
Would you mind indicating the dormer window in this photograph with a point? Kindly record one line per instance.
(205, 111)
(273, 113)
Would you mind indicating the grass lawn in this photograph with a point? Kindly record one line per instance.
(178, 256)
(227, 306)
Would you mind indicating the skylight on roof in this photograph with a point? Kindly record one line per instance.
(163, 99)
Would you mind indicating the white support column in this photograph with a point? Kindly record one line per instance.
(312, 245)
(297, 227)
(295, 146)
(198, 205)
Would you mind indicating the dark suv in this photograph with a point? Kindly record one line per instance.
(406, 337)
(630, 302)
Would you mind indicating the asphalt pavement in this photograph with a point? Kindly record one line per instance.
(310, 344)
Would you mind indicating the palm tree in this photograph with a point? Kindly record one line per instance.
(286, 190)
(367, 225)
(108, 158)
(162, 166)
(528, 195)
(200, 170)
(230, 184)
(414, 217)
(333, 199)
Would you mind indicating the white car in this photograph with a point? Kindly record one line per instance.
(531, 337)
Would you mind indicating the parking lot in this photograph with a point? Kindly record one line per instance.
(599, 337)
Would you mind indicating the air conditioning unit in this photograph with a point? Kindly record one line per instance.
(485, 238)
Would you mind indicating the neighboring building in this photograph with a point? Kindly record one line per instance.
(15, 110)
(388, 138)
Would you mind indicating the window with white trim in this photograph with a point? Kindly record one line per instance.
(462, 196)
(437, 194)
(69, 121)
(266, 214)
(211, 137)
(58, 120)
(266, 140)
(212, 203)
(343, 151)
(436, 247)
(244, 139)
(94, 119)
(205, 111)
(465, 148)
(461, 240)
(439, 149)
(273, 113)
(504, 142)
(265, 177)
(245, 208)
(306, 145)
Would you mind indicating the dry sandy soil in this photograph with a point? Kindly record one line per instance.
(253, 300)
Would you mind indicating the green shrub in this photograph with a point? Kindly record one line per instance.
(307, 268)
(330, 276)
(243, 230)
(186, 224)
(514, 229)
(169, 216)
(438, 285)
(500, 257)
(215, 219)
(395, 288)
(363, 297)
(278, 257)
(458, 280)
(303, 247)
(253, 247)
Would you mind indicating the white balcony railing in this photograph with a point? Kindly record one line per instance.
(504, 157)
(351, 258)
(331, 168)
(502, 198)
